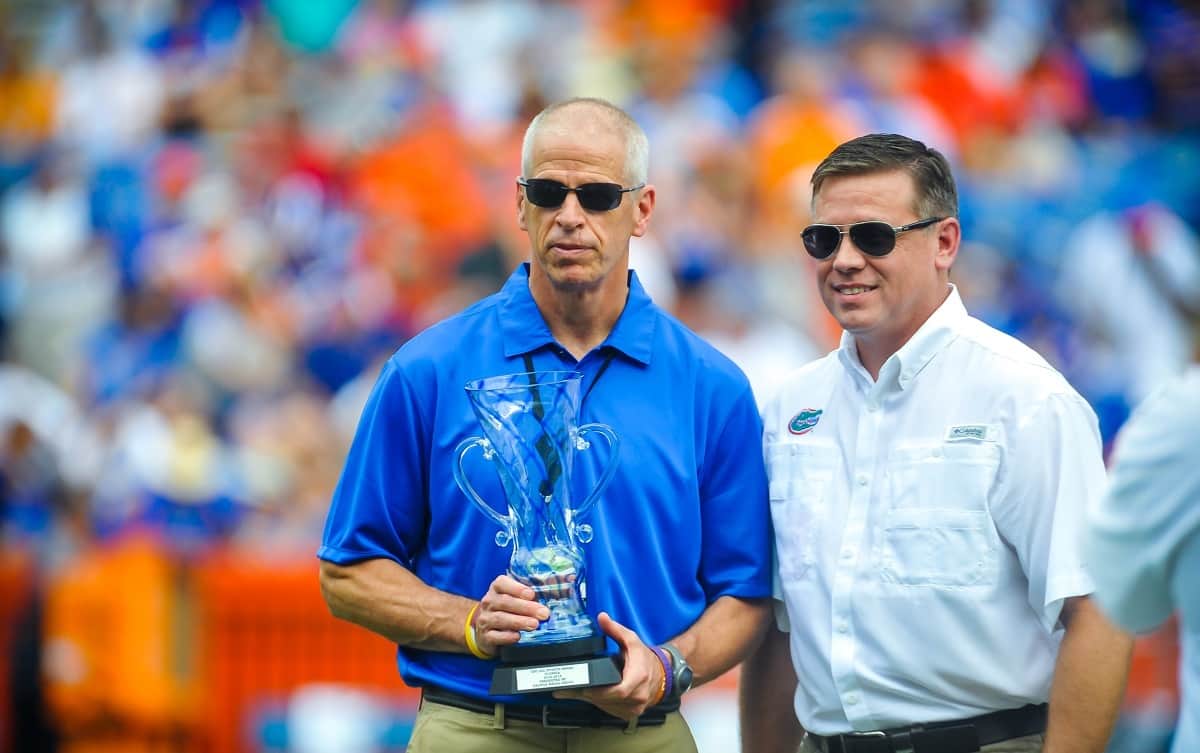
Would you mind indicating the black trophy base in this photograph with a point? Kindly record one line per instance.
(540, 668)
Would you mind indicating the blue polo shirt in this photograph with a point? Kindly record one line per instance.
(684, 521)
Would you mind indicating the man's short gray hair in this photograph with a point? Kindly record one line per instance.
(637, 156)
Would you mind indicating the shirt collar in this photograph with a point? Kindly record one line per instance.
(938, 331)
(525, 330)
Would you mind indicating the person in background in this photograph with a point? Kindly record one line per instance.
(928, 482)
(681, 556)
(1143, 538)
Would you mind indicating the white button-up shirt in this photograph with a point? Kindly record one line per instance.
(927, 525)
(1144, 538)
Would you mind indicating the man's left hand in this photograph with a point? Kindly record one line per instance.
(641, 676)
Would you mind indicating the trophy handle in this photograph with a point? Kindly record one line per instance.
(614, 445)
(504, 521)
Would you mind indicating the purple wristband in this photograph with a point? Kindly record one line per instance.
(665, 658)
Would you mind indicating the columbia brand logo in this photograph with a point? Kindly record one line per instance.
(973, 431)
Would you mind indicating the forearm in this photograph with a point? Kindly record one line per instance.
(1089, 681)
(765, 692)
(723, 635)
(388, 599)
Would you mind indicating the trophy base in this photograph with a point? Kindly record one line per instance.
(538, 668)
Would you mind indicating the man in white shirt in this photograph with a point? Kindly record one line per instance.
(1143, 543)
(928, 485)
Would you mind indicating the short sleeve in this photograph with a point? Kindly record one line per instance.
(378, 508)
(1053, 470)
(735, 514)
(1136, 532)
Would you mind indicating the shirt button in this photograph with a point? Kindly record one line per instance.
(862, 479)
(851, 699)
(847, 554)
(872, 407)
(843, 627)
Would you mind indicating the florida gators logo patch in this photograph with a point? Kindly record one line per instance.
(804, 421)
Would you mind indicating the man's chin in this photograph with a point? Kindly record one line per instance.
(575, 280)
(854, 322)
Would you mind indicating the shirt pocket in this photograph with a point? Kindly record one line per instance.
(942, 476)
(936, 529)
(800, 476)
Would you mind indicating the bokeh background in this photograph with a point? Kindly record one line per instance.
(218, 217)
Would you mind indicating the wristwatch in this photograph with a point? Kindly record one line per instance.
(681, 672)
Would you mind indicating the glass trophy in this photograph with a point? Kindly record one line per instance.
(531, 437)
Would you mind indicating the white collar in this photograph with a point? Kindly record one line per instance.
(938, 331)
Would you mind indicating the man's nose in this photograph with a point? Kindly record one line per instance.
(847, 255)
(571, 213)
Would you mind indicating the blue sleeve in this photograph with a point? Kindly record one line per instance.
(735, 513)
(379, 506)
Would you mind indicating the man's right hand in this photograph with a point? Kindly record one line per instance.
(505, 610)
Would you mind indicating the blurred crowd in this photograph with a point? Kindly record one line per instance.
(218, 217)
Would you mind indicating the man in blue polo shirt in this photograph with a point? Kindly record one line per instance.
(681, 548)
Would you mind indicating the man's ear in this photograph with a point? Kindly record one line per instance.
(643, 209)
(521, 208)
(948, 239)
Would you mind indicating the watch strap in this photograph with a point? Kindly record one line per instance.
(679, 667)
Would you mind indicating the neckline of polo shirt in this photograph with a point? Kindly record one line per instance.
(633, 334)
(525, 330)
(521, 322)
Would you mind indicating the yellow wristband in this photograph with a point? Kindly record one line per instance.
(469, 636)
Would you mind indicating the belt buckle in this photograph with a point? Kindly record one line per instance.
(848, 739)
(551, 725)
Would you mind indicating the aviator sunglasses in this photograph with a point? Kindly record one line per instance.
(874, 237)
(594, 197)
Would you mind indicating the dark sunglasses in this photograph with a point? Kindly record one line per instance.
(874, 237)
(594, 197)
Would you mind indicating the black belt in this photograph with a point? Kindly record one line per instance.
(962, 736)
(564, 717)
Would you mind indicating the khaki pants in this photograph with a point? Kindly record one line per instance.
(1029, 744)
(446, 729)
